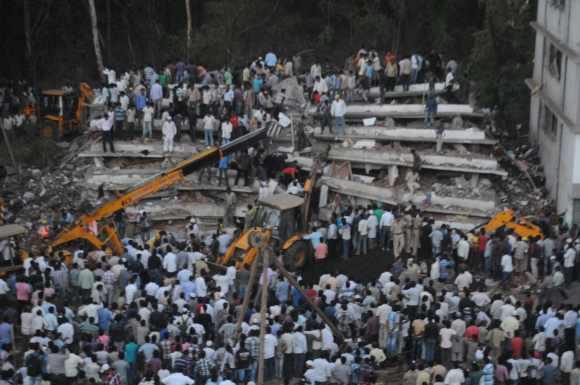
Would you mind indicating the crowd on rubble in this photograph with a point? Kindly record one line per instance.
(226, 104)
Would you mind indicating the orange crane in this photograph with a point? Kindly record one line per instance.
(108, 233)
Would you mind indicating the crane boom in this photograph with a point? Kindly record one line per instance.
(152, 185)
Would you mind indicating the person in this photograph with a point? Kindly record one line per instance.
(398, 236)
(430, 105)
(208, 127)
(106, 125)
(223, 167)
(119, 113)
(168, 130)
(156, 97)
(148, 112)
(449, 83)
(324, 112)
(506, 268)
(338, 110)
(405, 72)
(226, 131)
(231, 201)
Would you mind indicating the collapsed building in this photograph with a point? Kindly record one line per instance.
(461, 180)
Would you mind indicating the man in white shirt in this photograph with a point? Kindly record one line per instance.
(156, 96)
(506, 268)
(168, 130)
(337, 111)
(270, 344)
(385, 227)
(463, 280)
(170, 262)
(227, 129)
(569, 262)
(463, 249)
(208, 126)
(148, 112)
(106, 126)
(372, 224)
(177, 379)
(363, 231)
(300, 349)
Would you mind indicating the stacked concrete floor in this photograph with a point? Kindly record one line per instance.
(370, 165)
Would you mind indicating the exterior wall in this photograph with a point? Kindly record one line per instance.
(560, 151)
(574, 41)
(567, 169)
(549, 151)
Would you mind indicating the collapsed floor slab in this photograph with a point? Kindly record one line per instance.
(463, 164)
(471, 135)
(403, 111)
(414, 91)
(392, 196)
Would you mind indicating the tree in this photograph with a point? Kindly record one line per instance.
(96, 42)
(500, 60)
(188, 13)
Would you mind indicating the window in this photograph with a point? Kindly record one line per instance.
(555, 61)
(559, 4)
(550, 122)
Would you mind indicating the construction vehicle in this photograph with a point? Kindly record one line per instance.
(7, 232)
(285, 218)
(506, 219)
(102, 217)
(64, 110)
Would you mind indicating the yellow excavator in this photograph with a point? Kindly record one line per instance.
(64, 111)
(507, 219)
(101, 219)
(285, 218)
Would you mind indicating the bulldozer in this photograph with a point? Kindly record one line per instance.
(507, 219)
(285, 218)
(63, 111)
(277, 215)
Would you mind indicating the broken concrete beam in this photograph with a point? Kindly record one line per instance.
(463, 164)
(395, 196)
(471, 135)
(152, 150)
(178, 210)
(414, 90)
(124, 179)
(402, 111)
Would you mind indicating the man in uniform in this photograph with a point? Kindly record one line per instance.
(416, 233)
(398, 237)
(408, 228)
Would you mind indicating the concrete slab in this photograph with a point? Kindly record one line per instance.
(168, 210)
(471, 135)
(414, 91)
(393, 196)
(403, 111)
(124, 179)
(463, 164)
(151, 150)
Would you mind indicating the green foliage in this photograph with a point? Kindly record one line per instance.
(501, 59)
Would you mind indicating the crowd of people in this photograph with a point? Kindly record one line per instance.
(448, 308)
(159, 314)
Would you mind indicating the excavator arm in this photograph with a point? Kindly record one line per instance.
(82, 227)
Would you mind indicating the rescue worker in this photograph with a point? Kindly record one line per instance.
(169, 130)
(398, 236)
(416, 233)
(408, 228)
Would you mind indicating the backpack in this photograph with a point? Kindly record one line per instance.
(34, 365)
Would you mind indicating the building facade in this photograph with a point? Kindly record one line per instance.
(555, 101)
